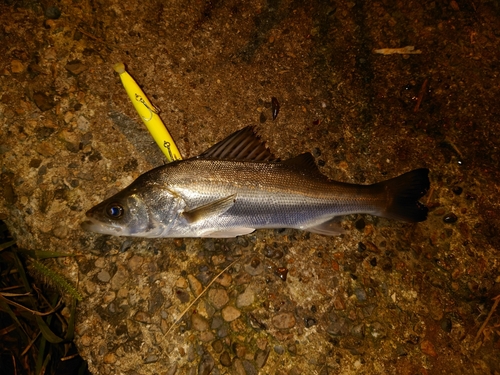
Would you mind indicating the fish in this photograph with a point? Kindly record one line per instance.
(237, 186)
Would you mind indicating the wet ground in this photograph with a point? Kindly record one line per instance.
(385, 297)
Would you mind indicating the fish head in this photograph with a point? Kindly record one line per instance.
(132, 212)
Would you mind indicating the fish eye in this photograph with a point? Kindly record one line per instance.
(114, 211)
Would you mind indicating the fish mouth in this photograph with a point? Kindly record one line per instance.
(92, 225)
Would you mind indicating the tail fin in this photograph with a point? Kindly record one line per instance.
(403, 193)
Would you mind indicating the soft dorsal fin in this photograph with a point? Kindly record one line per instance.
(306, 164)
(241, 145)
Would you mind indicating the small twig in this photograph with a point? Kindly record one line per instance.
(107, 44)
(15, 294)
(421, 94)
(493, 308)
(198, 297)
(429, 196)
(30, 310)
(69, 357)
(31, 343)
(408, 50)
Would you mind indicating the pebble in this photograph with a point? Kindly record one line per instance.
(242, 278)
(358, 331)
(378, 331)
(47, 149)
(282, 272)
(142, 317)
(401, 351)
(339, 303)
(370, 246)
(87, 340)
(199, 323)
(360, 294)
(360, 224)
(225, 359)
(133, 328)
(152, 358)
(5, 148)
(256, 267)
(450, 218)
(195, 285)
(273, 253)
(61, 232)
(109, 297)
(217, 346)
(428, 348)
(249, 367)
(155, 302)
(446, 324)
(239, 349)
(43, 102)
(206, 365)
(218, 298)
(83, 125)
(230, 313)
(16, 66)
(119, 279)
(217, 322)
(337, 328)
(284, 321)
(52, 12)
(135, 262)
(225, 279)
(309, 322)
(261, 357)
(279, 349)
(104, 276)
(262, 118)
(218, 259)
(223, 331)
(76, 67)
(246, 298)
(238, 368)
(181, 282)
(255, 323)
(172, 370)
(109, 358)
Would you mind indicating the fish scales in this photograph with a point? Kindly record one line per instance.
(265, 190)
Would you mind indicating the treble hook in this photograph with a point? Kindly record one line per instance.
(145, 104)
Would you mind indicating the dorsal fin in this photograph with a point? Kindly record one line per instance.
(241, 145)
(306, 164)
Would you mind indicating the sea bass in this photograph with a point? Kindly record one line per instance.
(237, 186)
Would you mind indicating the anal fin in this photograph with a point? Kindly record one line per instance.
(330, 227)
(228, 233)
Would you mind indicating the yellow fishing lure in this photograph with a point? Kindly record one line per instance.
(149, 115)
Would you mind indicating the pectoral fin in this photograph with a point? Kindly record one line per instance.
(331, 227)
(214, 208)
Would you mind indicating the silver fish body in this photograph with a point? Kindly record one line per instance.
(233, 189)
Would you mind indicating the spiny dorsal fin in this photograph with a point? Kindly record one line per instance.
(241, 145)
